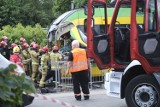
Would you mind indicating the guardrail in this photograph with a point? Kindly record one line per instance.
(63, 82)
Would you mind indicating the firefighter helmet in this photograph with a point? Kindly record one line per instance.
(55, 48)
(16, 49)
(4, 38)
(22, 39)
(36, 46)
(3, 43)
(45, 49)
(13, 45)
(31, 45)
(25, 45)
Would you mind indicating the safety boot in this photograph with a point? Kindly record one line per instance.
(78, 97)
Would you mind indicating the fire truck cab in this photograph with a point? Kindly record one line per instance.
(133, 51)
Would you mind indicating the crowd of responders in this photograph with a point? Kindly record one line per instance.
(31, 57)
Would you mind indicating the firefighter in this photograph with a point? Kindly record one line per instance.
(31, 47)
(44, 65)
(4, 50)
(35, 61)
(54, 58)
(2, 45)
(22, 41)
(5, 38)
(15, 57)
(11, 48)
(26, 58)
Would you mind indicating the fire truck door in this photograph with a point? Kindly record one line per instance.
(98, 46)
(149, 35)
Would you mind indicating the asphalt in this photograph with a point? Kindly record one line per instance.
(98, 98)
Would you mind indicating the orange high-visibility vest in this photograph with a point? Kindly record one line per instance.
(79, 62)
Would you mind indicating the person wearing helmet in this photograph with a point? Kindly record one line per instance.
(11, 48)
(44, 65)
(13, 45)
(54, 58)
(26, 58)
(32, 43)
(5, 38)
(35, 61)
(2, 46)
(22, 40)
(16, 56)
(5, 51)
(30, 49)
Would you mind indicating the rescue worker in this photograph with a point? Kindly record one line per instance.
(54, 58)
(4, 50)
(31, 47)
(22, 41)
(26, 58)
(11, 48)
(15, 57)
(78, 67)
(5, 38)
(35, 61)
(2, 45)
(44, 65)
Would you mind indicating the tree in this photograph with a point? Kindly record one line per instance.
(30, 12)
(9, 12)
(36, 11)
(60, 6)
(80, 3)
(27, 12)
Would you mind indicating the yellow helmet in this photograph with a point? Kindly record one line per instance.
(16, 49)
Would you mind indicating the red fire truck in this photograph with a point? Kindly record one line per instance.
(133, 51)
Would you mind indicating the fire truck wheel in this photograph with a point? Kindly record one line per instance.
(143, 91)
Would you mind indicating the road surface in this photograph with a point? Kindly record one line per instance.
(98, 98)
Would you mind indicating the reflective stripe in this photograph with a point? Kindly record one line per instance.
(35, 63)
(45, 66)
(55, 68)
(42, 83)
(79, 66)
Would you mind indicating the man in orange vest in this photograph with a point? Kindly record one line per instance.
(78, 67)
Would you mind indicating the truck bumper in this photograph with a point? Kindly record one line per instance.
(113, 83)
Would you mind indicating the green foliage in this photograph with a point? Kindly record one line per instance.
(12, 86)
(80, 3)
(30, 12)
(9, 12)
(59, 7)
(27, 12)
(29, 33)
